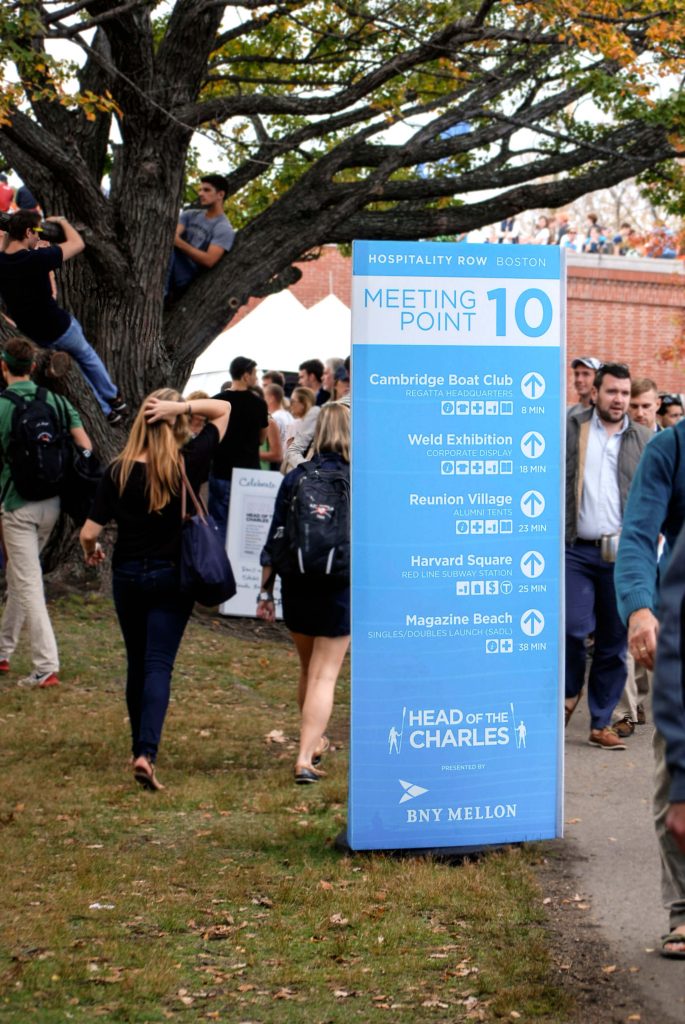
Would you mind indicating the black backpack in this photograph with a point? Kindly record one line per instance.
(315, 540)
(40, 447)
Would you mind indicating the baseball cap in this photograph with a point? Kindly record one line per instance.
(667, 400)
(590, 361)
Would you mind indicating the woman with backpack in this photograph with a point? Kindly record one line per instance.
(309, 548)
(141, 492)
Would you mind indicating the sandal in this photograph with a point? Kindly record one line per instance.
(307, 774)
(144, 774)
(672, 938)
(320, 750)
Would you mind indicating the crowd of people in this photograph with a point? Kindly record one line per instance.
(174, 443)
(586, 235)
(625, 586)
(625, 505)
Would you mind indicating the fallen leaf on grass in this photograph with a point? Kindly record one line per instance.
(609, 969)
(325, 885)
(634, 1016)
(339, 920)
(284, 993)
(547, 900)
(436, 1003)
(217, 931)
(515, 1014)
(341, 993)
(275, 736)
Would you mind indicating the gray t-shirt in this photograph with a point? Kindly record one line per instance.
(201, 231)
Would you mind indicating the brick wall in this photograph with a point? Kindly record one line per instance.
(620, 309)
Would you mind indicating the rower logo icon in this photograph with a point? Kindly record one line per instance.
(411, 791)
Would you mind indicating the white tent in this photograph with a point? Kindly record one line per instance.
(279, 334)
(329, 327)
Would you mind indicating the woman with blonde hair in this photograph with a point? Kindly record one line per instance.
(316, 605)
(304, 411)
(141, 492)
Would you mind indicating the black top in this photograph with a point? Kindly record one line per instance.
(240, 446)
(25, 287)
(143, 534)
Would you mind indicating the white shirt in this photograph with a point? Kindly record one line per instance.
(600, 503)
(283, 418)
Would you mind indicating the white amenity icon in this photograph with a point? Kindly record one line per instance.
(533, 385)
(532, 564)
(532, 622)
(532, 504)
(532, 444)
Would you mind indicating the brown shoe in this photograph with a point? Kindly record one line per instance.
(606, 739)
(624, 728)
(641, 716)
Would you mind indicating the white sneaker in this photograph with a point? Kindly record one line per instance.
(39, 679)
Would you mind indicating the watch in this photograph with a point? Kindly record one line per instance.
(264, 595)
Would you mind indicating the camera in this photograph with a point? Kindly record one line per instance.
(49, 230)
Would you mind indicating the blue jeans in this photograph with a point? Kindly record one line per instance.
(153, 616)
(218, 501)
(93, 369)
(591, 608)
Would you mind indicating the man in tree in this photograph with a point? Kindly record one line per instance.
(26, 287)
(202, 236)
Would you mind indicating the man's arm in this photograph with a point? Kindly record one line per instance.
(221, 241)
(668, 696)
(204, 259)
(644, 514)
(81, 438)
(297, 451)
(73, 244)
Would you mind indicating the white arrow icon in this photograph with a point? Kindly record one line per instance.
(533, 385)
(532, 622)
(532, 564)
(532, 444)
(532, 504)
(410, 791)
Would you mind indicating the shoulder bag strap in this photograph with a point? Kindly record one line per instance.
(186, 489)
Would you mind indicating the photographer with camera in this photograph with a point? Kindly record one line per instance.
(25, 286)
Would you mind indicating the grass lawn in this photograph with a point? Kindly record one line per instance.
(223, 897)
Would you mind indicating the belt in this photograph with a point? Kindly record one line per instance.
(591, 543)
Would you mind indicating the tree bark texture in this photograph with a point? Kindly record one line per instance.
(304, 95)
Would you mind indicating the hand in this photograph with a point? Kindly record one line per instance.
(57, 218)
(95, 556)
(266, 610)
(643, 628)
(675, 823)
(157, 409)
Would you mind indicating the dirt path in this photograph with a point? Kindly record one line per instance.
(602, 883)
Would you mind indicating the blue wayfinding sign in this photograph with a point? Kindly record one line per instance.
(457, 529)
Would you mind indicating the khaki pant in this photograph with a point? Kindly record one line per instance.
(672, 860)
(26, 532)
(638, 685)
